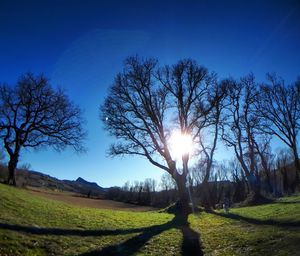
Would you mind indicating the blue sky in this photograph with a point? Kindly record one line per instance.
(80, 46)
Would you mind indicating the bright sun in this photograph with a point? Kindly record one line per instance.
(180, 144)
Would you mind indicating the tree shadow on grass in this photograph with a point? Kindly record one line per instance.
(190, 242)
(289, 202)
(257, 221)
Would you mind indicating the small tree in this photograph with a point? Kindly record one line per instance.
(32, 115)
(147, 103)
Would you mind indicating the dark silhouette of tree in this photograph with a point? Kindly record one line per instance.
(211, 128)
(279, 106)
(146, 104)
(240, 128)
(283, 160)
(240, 185)
(266, 160)
(33, 115)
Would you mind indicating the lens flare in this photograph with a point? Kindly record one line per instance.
(180, 144)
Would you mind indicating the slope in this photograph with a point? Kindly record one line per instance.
(30, 225)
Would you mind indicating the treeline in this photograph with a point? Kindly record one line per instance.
(148, 192)
(227, 181)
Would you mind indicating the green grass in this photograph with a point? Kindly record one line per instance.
(34, 226)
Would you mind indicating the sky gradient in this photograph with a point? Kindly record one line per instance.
(81, 45)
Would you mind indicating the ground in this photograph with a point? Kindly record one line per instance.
(79, 200)
(35, 225)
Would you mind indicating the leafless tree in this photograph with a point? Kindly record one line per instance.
(209, 134)
(240, 128)
(239, 180)
(265, 160)
(283, 174)
(279, 106)
(146, 103)
(33, 115)
(167, 182)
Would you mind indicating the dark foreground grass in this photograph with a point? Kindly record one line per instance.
(34, 226)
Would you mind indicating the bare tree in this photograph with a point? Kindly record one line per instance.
(146, 103)
(167, 182)
(239, 180)
(240, 128)
(265, 159)
(32, 115)
(279, 105)
(210, 125)
(283, 162)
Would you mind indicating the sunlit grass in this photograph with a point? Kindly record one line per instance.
(247, 231)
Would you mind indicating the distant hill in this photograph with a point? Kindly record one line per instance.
(26, 178)
(85, 187)
(83, 182)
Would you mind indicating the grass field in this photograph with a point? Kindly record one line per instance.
(32, 225)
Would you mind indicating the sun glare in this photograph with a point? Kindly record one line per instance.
(180, 144)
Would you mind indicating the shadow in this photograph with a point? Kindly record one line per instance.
(190, 241)
(67, 232)
(290, 202)
(257, 221)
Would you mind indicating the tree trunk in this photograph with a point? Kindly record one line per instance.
(12, 164)
(255, 195)
(254, 187)
(207, 200)
(284, 179)
(297, 167)
(268, 180)
(206, 190)
(183, 202)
